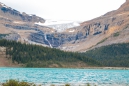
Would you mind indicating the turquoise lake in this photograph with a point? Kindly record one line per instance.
(46, 76)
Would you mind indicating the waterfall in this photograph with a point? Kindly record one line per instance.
(47, 40)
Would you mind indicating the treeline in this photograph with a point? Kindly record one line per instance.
(116, 55)
(2, 35)
(39, 56)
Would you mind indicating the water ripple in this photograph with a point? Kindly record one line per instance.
(51, 75)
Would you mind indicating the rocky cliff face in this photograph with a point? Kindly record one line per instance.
(13, 14)
(107, 29)
(112, 27)
(104, 30)
(17, 25)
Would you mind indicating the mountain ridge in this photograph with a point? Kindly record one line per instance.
(13, 14)
(107, 29)
(104, 27)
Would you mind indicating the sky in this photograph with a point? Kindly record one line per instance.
(78, 10)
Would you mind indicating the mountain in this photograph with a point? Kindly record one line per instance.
(107, 29)
(31, 29)
(15, 25)
(12, 14)
(110, 28)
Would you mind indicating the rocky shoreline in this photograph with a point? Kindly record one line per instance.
(111, 68)
(117, 68)
(79, 84)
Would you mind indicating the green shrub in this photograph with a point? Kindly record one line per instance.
(52, 85)
(12, 82)
(3, 35)
(102, 41)
(67, 84)
(116, 34)
(88, 84)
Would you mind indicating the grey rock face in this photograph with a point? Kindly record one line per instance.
(20, 27)
(14, 37)
(55, 39)
(16, 15)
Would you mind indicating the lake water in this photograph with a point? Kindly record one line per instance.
(75, 77)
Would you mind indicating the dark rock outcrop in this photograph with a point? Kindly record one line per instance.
(13, 14)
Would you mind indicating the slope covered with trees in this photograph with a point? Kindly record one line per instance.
(39, 56)
(116, 55)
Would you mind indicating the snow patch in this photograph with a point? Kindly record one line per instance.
(39, 23)
(59, 25)
(76, 24)
(16, 22)
(4, 5)
(30, 15)
(62, 27)
(52, 31)
(71, 31)
(54, 22)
